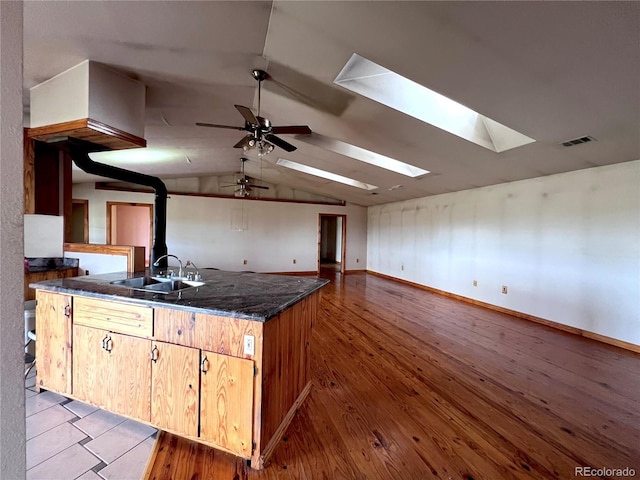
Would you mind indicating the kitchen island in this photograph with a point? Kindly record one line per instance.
(224, 361)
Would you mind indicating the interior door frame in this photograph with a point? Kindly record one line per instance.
(81, 201)
(343, 252)
(132, 204)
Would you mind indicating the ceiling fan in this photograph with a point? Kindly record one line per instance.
(261, 133)
(243, 183)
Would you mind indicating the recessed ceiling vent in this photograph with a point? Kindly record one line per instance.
(578, 141)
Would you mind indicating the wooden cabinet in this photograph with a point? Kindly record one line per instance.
(227, 402)
(32, 277)
(114, 316)
(189, 373)
(193, 388)
(112, 371)
(53, 348)
(175, 389)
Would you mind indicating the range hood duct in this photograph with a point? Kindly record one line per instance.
(79, 151)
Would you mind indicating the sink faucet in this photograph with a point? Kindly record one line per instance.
(157, 263)
(197, 276)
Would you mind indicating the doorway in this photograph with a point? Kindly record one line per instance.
(130, 224)
(79, 221)
(332, 241)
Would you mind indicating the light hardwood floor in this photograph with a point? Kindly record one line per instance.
(413, 385)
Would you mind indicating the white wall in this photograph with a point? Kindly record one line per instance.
(199, 229)
(12, 395)
(43, 235)
(567, 246)
(96, 263)
(90, 90)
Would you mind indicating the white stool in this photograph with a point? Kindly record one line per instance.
(29, 335)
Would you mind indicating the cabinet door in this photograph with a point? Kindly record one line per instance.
(53, 347)
(175, 388)
(112, 371)
(226, 397)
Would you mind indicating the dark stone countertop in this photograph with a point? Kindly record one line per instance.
(50, 264)
(252, 296)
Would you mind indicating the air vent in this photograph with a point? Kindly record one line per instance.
(578, 141)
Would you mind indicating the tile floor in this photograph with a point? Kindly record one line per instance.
(70, 440)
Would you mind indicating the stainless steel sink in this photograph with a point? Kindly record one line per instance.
(139, 282)
(157, 284)
(171, 286)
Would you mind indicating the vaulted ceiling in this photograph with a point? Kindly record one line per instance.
(551, 70)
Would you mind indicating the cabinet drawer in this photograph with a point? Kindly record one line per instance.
(175, 326)
(113, 316)
(224, 335)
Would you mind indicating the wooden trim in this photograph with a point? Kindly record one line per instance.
(525, 316)
(89, 130)
(279, 433)
(135, 255)
(160, 440)
(305, 273)
(106, 186)
(116, 132)
(354, 271)
(608, 340)
(29, 154)
(66, 187)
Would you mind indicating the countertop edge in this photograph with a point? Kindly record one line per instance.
(50, 286)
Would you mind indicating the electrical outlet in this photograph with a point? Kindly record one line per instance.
(402, 267)
(294, 261)
(244, 262)
(504, 289)
(249, 345)
(475, 283)
(357, 260)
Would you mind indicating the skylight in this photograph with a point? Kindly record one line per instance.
(362, 154)
(323, 174)
(375, 82)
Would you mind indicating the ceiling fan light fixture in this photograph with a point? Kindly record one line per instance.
(250, 144)
(259, 127)
(264, 148)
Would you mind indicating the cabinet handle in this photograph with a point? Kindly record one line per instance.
(67, 310)
(107, 343)
(154, 354)
(204, 365)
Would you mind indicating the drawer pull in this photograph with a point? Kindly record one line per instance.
(107, 343)
(204, 365)
(67, 310)
(154, 354)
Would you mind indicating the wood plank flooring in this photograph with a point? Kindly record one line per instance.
(413, 385)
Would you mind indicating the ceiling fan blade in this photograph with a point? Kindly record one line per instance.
(280, 143)
(258, 186)
(247, 114)
(292, 129)
(200, 124)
